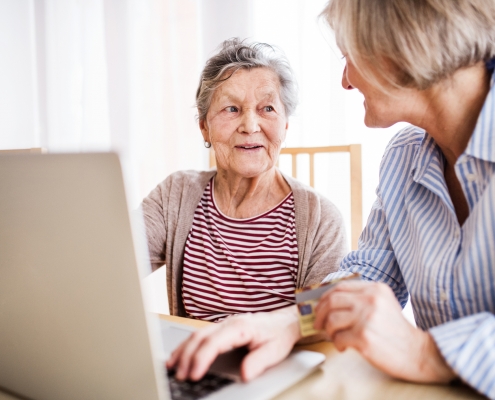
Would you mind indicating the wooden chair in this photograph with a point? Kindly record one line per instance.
(354, 151)
(34, 150)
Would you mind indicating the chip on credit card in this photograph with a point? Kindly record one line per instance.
(307, 298)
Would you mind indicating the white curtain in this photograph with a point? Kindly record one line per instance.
(85, 75)
(99, 75)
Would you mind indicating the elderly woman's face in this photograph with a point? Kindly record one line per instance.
(246, 122)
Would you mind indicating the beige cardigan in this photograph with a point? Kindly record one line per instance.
(168, 214)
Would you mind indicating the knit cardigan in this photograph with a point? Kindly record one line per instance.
(169, 211)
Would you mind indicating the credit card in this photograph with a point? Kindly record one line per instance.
(307, 298)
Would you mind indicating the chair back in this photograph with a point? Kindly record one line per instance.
(356, 184)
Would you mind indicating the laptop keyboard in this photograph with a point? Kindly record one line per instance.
(190, 390)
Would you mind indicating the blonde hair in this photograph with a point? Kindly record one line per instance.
(424, 41)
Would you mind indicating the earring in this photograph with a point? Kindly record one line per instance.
(207, 144)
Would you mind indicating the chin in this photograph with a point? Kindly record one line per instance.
(252, 172)
(374, 122)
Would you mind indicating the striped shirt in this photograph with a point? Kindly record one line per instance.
(413, 243)
(239, 265)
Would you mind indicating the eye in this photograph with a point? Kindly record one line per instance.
(231, 109)
(268, 108)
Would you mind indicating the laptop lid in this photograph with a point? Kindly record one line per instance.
(72, 320)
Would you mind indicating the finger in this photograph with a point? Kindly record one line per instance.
(336, 300)
(229, 337)
(264, 357)
(344, 339)
(174, 357)
(332, 302)
(177, 353)
(339, 320)
(351, 286)
(186, 351)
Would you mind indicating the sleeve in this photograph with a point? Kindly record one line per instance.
(375, 259)
(154, 211)
(468, 346)
(329, 245)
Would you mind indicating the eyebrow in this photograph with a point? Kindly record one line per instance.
(267, 95)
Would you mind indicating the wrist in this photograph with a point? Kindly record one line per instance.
(289, 318)
(432, 366)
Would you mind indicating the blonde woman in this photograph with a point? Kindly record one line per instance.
(431, 231)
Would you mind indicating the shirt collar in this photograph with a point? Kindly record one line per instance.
(427, 153)
(482, 142)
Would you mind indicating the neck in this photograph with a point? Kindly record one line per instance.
(242, 197)
(449, 110)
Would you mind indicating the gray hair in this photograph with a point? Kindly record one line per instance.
(235, 54)
(425, 41)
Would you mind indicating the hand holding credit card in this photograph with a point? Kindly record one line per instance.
(307, 298)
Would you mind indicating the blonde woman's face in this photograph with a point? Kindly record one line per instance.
(246, 122)
(384, 106)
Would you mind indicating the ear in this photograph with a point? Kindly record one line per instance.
(203, 125)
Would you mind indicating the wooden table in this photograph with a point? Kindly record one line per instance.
(349, 376)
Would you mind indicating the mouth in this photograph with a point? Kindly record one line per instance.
(249, 146)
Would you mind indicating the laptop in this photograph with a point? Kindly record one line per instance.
(73, 323)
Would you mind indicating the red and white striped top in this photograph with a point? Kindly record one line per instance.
(233, 265)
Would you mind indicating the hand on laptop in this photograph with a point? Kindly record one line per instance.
(367, 316)
(268, 336)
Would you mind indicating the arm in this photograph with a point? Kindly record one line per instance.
(468, 346)
(375, 259)
(154, 211)
(367, 315)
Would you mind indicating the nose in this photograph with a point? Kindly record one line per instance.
(249, 122)
(345, 83)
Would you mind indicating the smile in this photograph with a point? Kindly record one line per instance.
(249, 147)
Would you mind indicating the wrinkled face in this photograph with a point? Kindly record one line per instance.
(246, 122)
(383, 108)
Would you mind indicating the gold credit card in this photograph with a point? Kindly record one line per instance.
(307, 298)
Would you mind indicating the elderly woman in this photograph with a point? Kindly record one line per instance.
(243, 237)
(431, 231)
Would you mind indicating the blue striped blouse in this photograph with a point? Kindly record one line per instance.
(414, 243)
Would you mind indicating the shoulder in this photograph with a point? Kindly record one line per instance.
(172, 188)
(409, 137)
(189, 177)
(180, 180)
(402, 149)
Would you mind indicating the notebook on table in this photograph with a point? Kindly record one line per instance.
(73, 323)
